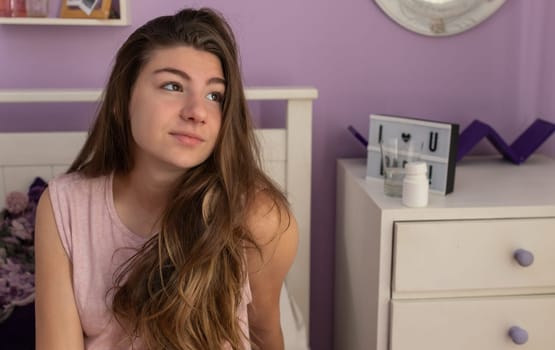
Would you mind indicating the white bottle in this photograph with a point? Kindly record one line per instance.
(415, 185)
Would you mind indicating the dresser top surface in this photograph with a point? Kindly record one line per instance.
(480, 183)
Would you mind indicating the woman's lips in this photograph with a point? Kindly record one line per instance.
(188, 139)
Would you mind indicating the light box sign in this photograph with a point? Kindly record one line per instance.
(434, 142)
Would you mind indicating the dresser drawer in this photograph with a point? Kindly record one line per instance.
(464, 324)
(476, 257)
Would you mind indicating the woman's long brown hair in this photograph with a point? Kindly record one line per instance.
(183, 288)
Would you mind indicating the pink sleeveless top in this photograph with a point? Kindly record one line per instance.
(97, 243)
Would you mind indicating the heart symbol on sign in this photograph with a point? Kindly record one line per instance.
(405, 137)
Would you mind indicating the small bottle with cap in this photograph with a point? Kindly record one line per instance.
(415, 185)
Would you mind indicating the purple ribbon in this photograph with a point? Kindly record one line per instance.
(528, 142)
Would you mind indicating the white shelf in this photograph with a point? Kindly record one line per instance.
(49, 95)
(56, 21)
(63, 21)
(93, 95)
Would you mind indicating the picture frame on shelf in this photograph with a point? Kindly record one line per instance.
(86, 6)
(96, 9)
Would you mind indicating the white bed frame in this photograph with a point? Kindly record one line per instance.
(286, 153)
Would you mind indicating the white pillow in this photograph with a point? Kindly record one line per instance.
(292, 323)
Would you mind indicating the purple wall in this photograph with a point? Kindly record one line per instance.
(361, 62)
(546, 91)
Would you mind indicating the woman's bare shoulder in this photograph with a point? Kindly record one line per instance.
(269, 217)
(273, 228)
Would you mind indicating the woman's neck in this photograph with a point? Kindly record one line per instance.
(140, 198)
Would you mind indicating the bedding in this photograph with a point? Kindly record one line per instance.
(294, 329)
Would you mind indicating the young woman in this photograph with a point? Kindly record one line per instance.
(165, 233)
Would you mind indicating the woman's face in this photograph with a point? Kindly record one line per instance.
(176, 108)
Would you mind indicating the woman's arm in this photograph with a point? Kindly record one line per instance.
(57, 322)
(275, 230)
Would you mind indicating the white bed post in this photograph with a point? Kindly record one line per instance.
(299, 155)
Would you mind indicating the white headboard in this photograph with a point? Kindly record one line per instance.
(286, 153)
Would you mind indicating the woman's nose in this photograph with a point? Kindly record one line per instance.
(194, 109)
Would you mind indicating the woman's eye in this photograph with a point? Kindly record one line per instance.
(215, 96)
(172, 87)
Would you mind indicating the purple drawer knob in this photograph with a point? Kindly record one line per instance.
(518, 335)
(523, 257)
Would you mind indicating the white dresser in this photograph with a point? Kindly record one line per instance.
(461, 274)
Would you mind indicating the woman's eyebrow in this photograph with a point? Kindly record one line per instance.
(185, 76)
